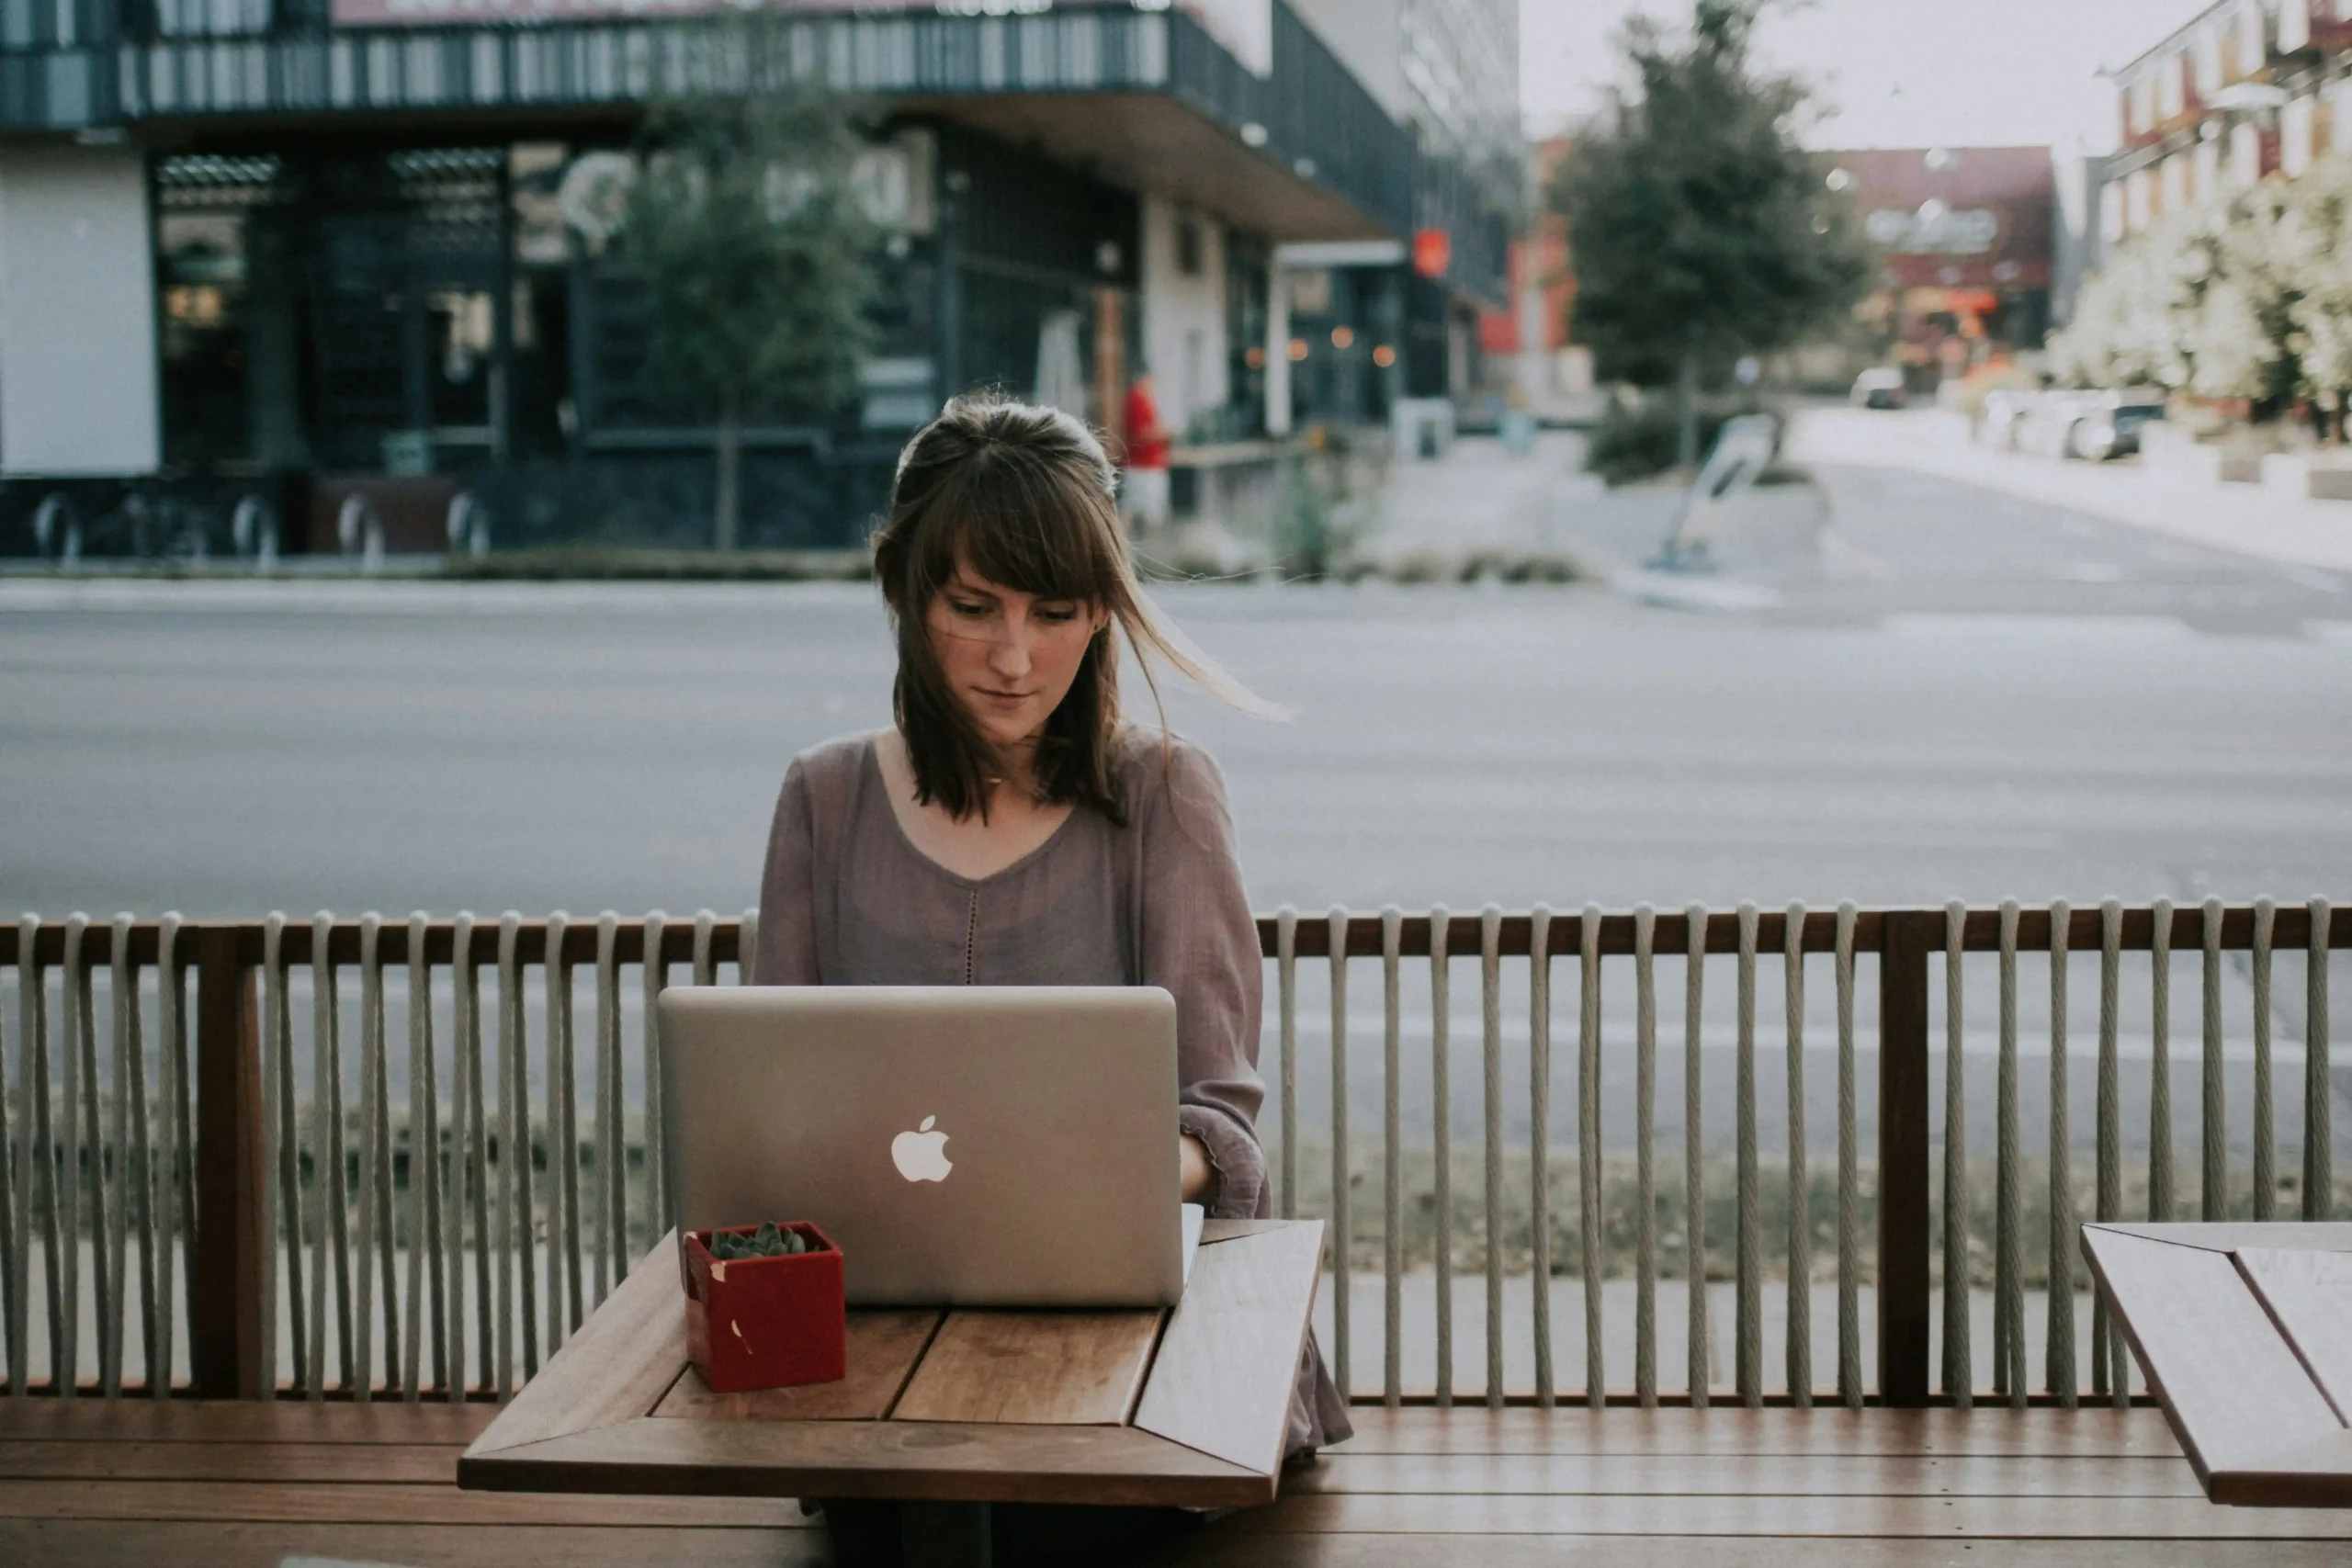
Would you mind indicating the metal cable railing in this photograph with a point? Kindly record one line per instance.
(245, 1195)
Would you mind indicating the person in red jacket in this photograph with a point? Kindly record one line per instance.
(1143, 488)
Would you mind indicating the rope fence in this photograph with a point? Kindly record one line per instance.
(404, 1159)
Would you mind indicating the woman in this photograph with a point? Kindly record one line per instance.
(1008, 829)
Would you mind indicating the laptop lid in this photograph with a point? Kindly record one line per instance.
(965, 1146)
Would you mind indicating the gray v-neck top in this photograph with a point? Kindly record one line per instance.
(847, 900)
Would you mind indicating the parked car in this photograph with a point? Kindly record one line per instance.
(1881, 387)
(2109, 424)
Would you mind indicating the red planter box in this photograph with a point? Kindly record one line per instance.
(765, 1322)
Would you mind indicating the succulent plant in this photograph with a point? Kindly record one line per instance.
(768, 1241)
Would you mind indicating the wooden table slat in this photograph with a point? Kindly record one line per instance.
(934, 1461)
(1070, 1368)
(883, 1346)
(2310, 1297)
(1228, 1360)
(2234, 1391)
(2310, 1476)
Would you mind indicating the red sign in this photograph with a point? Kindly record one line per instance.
(1432, 251)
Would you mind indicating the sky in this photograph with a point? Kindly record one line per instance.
(1892, 72)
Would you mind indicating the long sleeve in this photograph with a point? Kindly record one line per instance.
(1200, 943)
(787, 954)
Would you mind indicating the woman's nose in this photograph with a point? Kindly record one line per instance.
(1008, 654)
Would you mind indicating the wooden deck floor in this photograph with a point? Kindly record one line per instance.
(141, 1485)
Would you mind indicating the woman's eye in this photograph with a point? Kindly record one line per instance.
(1057, 615)
(967, 609)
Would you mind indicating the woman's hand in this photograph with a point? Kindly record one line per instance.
(1198, 1178)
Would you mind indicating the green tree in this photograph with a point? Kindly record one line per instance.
(1699, 228)
(745, 230)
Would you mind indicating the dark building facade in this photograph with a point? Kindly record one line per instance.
(262, 256)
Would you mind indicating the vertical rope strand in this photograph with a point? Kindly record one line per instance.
(75, 993)
(326, 1101)
(1645, 1156)
(16, 1155)
(1596, 1366)
(1747, 1308)
(372, 1154)
(2110, 1373)
(2213, 1128)
(1850, 1180)
(1342, 1193)
(140, 1172)
(659, 1214)
(2058, 1370)
(1958, 1376)
(2319, 1135)
(612, 1140)
(115, 1155)
(427, 1325)
(1539, 1134)
(1392, 1148)
(465, 1200)
(1442, 1132)
(174, 1222)
(1694, 1185)
(1286, 1001)
(1799, 1348)
(562, 1153)
(282, 1246)
(516, 1305)
(1490, 998)
(2266, 1130)
(33, 1191)
(2008, 1262)
(2161, 1205)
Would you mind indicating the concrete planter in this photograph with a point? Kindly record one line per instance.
(2308, 477)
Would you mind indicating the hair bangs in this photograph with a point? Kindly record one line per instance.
(1026, 529)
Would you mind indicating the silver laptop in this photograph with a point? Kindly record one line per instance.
(964, 1146)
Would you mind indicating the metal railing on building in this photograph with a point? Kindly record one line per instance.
(431, 1221)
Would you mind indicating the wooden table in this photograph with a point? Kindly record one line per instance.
(1184, 1408)
(2244, 1332)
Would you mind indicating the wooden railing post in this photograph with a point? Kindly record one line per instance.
(225, 1298)
(1903, 1294)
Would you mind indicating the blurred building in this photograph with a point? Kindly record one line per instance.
(2246, 89)
(1969, 237)
(1369, 325)
(1530, 358)
(262, 256)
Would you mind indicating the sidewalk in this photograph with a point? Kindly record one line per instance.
(2247, 519)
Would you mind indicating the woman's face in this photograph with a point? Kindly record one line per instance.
(1009, 657)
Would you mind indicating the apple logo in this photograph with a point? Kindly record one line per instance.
(922, 1154)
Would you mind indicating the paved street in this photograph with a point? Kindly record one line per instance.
(1960, 694)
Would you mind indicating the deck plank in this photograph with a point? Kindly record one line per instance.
(1947, 1519)
(410, 1464)
(1879, 1475)
(346, 1503)
(172, 1543)
(1220, 1548)
(241, 1421)
(1987, 1430)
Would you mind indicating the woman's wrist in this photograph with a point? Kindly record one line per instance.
(1197, 1178)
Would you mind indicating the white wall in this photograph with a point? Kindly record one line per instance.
(1183, 315)
(77, 313)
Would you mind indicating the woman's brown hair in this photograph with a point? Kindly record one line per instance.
(1025, 496)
